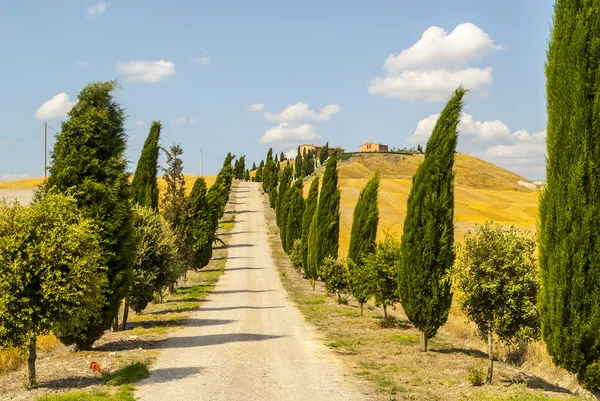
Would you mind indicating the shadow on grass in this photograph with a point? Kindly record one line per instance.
(475, 353)
(70, 383)
(128, 344)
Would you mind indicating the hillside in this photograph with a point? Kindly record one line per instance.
(483, 192)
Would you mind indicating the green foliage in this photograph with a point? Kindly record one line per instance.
(284, 186)
(51, 271)
(364, 222)
(203, 230)
(382, 265)
(476, 376)
(569, 239)
(177, 209)
(311, 271)
(307, 218)
(427, 243)
(298, 164)
(258, 177)
(247, 176)
(327, 215)
(88, 162)
(128, 374)
(308, 163)
(496, 272)
(268, 170)
(296, 255)
(156, 259)
(239, 168)
(293, 218)
(335, 276)
(218, 194)
(361, 281)
(324, 154)
(144, 185)
(125, 393)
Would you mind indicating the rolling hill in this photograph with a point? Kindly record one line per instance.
(483, 192)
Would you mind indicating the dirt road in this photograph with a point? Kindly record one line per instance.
(248, 342)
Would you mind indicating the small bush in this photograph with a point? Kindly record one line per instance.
(10, 359)
(47, 343)
(335, 276)
(296, 255)
(129, 374)
(476, 376)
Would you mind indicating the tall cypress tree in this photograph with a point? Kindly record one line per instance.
(293, 229)
(203, 229)
(298, 164)
(427, 242)
(267, 171)
(364, 222)
(88, 161)
(327, 216)
(144, 185)
(324, 154)
(309, 212)
(284, 186)
(569, 240)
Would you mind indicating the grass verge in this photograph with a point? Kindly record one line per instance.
(128, 374)
(124, 393)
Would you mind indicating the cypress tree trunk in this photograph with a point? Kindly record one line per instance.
(32, 380)
(428, 239)
(569, 239)
(125, 314)
(490, 373)
(361, 308)
(385, 315)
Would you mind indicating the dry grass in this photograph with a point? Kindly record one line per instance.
(25, 183)
(390, 360)
(10, 359)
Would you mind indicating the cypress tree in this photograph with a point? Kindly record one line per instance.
(284, 185)
(267, 171)
(88, 161)
(309, 212)
(253, 166)
(298, 164)
(144, 185)
(328, 216)
(569, 240)
(293, 230)
(284, 203)
(247, 175)
(312, 271)
(427, 242)
(324, 154)
(364, 222)
(203, 229)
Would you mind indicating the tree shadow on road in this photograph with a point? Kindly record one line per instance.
(224, 308)
(216, 339)
(244, 268)
(167, 375)
(239, 291)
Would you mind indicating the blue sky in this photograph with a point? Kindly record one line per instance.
(352, 72)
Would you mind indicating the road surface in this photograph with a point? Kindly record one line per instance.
(248, 342)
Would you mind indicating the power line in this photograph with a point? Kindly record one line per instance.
(18, 140)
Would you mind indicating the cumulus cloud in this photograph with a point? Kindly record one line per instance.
(57, 107)
(96, 9)
(256, 107)
(140, 123)
(433, 86)
(436, 64)
(291, 154)
(146, 71)
(289, 134)
(300, 111)
(438, 49)
(183, 121)
(477, 130)
(201, 60)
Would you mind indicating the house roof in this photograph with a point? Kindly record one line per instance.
(373, 143)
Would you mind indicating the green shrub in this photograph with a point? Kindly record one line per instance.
(126, 375)
(476, 376)
(335, 276)
(296, 255)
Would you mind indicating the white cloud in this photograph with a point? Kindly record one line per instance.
(291, 154)
(11, 176)
(201, 60)
(140, 123)
(57, 107)
(433, 86)
(438, 49)
(256, 107)
(301, 111)
(82, 63)
(183, 121)
(437, 64)
(290, 134)
(146, 71)
(96, 9)
(526, 155)
(477, 130)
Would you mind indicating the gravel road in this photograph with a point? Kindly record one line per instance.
(248, 341)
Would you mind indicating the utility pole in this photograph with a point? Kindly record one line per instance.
(200, 162)
(45, 151)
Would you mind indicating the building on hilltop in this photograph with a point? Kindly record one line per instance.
(306, 147)
(373, 147)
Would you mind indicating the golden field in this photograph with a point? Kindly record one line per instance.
(30, 183)
(483, 192)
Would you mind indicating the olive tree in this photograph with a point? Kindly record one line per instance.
(496, 271)
(52, 272)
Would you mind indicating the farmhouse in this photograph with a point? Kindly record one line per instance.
(373, 147)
